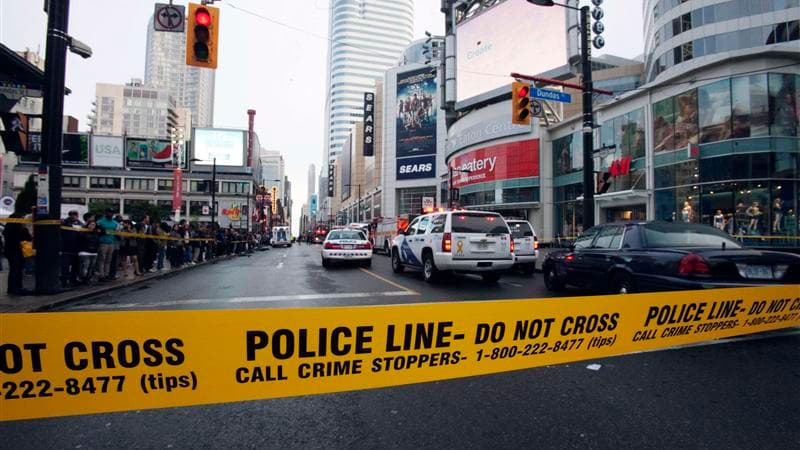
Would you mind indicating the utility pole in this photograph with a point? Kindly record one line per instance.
(588, 121)
(47, 235)
(214, 195)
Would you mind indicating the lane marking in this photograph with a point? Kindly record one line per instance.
(388, 281)
(264, 299)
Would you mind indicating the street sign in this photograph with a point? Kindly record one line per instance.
(536, 109)
(169, 18)
(206, 210)
(427, 203)
(553, 96)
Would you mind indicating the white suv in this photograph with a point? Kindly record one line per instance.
(526, 245)
(459, 241)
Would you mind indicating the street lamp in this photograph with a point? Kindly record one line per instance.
(587, 88)
(450, 171)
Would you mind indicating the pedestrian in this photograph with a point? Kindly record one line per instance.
(115, 263)
(105, 255)
(195, 244)
(175, 247)
(70, 262)
(88, 247)
(129, 251)
(162, 231)
(14, 235)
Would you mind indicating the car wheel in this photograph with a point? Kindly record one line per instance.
(551, 281)
(529, 269)
(622, 283)
(429, 271)
(325, 263)
(386, 250)
(397, 265)
(491, 277)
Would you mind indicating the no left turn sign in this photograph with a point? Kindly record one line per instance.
(169, 18)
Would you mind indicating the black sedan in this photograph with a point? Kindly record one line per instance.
(660, 256)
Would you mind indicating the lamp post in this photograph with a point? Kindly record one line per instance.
(587, 88)
(450, 171)
(213, 191)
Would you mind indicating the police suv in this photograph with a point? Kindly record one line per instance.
(458, 241)
(526, 245)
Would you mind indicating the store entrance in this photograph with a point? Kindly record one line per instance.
(626, 213)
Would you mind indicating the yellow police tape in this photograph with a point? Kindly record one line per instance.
(58, 364)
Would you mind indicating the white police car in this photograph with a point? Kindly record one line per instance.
(346, 246)
(459, 241)
(526, 245)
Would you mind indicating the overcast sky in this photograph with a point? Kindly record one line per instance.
(277, 70)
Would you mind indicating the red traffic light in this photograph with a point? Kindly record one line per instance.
(523, 91)
(202, 17)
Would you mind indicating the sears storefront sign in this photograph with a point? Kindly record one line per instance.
(416, 167)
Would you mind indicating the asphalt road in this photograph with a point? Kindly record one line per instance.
(739, 393)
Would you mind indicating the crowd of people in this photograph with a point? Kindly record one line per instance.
(98, 248)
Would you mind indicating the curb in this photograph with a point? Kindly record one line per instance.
(106, 289)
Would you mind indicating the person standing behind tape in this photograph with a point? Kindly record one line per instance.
(70, 262)
(107, 226)
(14, 235)
(88, 246)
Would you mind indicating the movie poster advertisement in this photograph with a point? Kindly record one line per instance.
(151, 154)
(416, 113)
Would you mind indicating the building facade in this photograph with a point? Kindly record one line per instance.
(165, 67)
(366, 38)
(133, 109)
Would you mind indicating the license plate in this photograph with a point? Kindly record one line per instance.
(347, 247)
(758, 272)
(483, 245)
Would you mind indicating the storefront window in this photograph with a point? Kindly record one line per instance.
(716, 169)
(782, 105)
(752, 209)
(568, 211)
(635, 133)
(664, 125)
(785, 165)
(750, 106)
(686, 119)
(568, 154)
(714, 105)
(784, 209)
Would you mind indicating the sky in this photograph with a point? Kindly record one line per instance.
(272, 57)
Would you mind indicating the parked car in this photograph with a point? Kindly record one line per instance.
(660, 256)
(346, 245)
(458, 241)
(526, 245)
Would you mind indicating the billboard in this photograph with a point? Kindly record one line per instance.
(416, 168)
(107, 151)
(227, 146)
(369, 124)
(313, 206)
(150, 154)
(513, 36)
(497, 162)
(416, 112)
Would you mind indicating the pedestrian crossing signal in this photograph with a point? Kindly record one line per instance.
(520, 103)
(202, 36)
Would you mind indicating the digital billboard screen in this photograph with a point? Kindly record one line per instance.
(513, 36)
(226, 146)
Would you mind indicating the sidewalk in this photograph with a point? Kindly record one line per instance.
(40, 303)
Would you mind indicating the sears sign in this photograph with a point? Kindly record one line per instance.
(416, 167)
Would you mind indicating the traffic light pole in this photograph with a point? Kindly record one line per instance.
(588, 121)
(214, 195)
(47, 235)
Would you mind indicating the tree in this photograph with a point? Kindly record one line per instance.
(27, 197)
(100, 207)
(138, 210)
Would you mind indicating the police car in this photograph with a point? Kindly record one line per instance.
(459, 241)
(526, 245)
(346, 246)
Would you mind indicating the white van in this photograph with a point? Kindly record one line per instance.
(281, 237)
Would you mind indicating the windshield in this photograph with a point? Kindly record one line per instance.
(479, 223)
(350, 234)
(520, 230)
(665, 235)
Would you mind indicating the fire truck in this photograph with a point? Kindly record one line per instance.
(389, 227)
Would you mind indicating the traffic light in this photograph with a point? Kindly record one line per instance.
(202, 36)
(520, 103)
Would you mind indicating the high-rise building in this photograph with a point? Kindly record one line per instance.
(273, 171)
(312, 182)
(165, 67)
(366, 38)
(133, 109)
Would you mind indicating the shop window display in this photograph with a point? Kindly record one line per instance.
(714, 105)
(750, 106)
